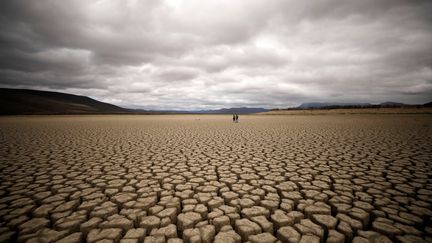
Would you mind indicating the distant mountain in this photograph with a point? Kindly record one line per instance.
(392, 104)
(323, 105)
(241, 110)
(26, 101)
(320, 105)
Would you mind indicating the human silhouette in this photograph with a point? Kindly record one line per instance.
(236, 118)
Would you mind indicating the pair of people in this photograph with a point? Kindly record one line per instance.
(235, 118)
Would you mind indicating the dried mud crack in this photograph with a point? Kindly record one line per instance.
(204, 179)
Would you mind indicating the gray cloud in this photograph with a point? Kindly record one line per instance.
(178, 54)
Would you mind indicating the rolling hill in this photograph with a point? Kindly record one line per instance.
(31, 102)
(25, 101)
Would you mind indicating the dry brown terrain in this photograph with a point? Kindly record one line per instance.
(201, 178)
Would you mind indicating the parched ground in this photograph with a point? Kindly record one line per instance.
(187, 178)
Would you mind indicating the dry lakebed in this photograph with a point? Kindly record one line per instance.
(203, 178)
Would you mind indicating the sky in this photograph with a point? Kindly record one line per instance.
(202, 54)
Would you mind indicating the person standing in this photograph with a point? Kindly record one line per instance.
(236, 118)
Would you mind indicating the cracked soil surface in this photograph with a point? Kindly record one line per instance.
(186, 178)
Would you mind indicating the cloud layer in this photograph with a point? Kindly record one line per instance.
(202, 54)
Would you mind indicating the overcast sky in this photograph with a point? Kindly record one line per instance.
(201, 54)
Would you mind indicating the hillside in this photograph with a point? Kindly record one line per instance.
(25, 101)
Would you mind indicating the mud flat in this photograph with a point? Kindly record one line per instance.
(185, 178)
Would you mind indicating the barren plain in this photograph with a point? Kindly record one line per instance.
(187, 178)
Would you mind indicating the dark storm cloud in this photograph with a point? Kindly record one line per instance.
(209, 54)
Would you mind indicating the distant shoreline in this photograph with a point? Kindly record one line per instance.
(341, 111)
(352, 111)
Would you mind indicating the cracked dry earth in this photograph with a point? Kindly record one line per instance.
(203, 178)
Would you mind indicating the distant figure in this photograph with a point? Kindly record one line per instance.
(236, 118)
